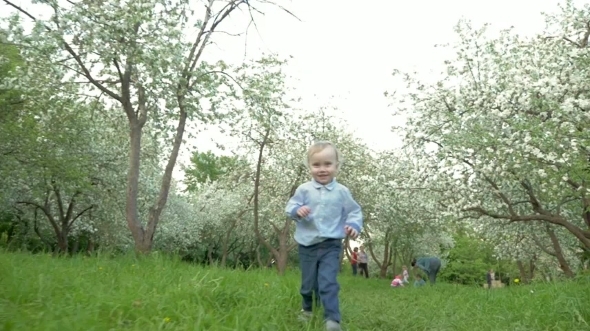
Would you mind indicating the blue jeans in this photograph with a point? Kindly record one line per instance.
(354, 268)
(319, 265)
(434, 269)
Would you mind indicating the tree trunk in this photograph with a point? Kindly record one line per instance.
(522, 271)
(386, 261)
(66, 218)
(531, 269)
(526, 273)
(62, 242)
(76, 246)
(90, 248)
(347, 248)
(257, 232)
(283, 255)
(394, 264)
(342, 253)
(559, 253)
(369, 245)
(586, 211)
(228, 232)
(210, 255)
(144, 237)
(158, 206)
(258, 257)
(131, 212)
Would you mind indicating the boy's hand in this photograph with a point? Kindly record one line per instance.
(303, 211)
(350, 232)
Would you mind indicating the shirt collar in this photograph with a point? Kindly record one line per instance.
(330, 186)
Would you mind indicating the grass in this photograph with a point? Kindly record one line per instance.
(39, 292)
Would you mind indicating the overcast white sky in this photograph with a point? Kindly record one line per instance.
(348, 49)
(344, 51)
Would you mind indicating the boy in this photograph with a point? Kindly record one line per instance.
(419, 281)
(325, 213)
(430, 266)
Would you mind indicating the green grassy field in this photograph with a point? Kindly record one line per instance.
(38, 292)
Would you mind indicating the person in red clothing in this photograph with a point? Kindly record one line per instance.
(354, 260)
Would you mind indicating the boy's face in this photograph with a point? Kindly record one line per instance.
(323, 165)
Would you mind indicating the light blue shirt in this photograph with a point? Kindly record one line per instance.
(332, 207)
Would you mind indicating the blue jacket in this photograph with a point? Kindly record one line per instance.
(425, 263)
(332, 207)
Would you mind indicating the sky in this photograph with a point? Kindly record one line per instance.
(343, 52)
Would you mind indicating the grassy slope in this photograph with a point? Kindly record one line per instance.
(44, 293)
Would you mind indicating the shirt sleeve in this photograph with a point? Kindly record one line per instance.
(296, 202)
(352, 212)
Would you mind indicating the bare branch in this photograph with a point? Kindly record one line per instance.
(227, 33)
(216, 72)
(60, 205)
(537, 207)
(68, 215)
(36, 229)
(22, 11)
(190, 64)
(584, 41)
(78, 215)
(542, 246)
(45, 210)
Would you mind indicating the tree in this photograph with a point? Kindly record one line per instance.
(63, 166)
(10, 99)
(469, 260)
(260, 125)
(145, 65)
(504, 130)
(207, 167)
(401, 215)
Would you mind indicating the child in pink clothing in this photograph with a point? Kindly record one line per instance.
(397, 281)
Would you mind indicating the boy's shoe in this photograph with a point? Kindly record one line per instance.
(305, 315)
(333, 326)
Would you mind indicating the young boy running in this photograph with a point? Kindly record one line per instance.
(325, 213)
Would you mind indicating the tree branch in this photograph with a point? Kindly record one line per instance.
(45, 211)
(85, 71)
(79, 215)
(37, 231)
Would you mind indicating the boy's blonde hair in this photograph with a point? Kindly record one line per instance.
(319, 146)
